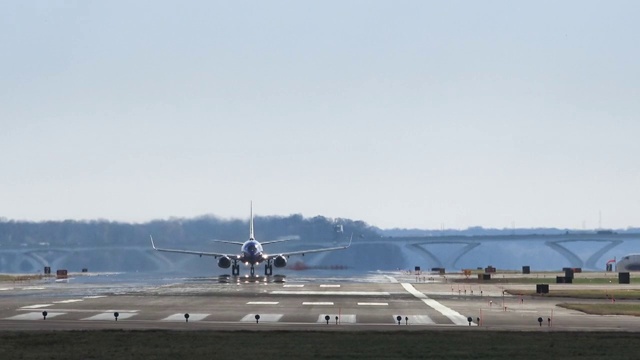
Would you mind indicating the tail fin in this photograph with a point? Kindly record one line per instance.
(251, 237)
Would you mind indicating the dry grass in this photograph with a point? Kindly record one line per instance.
(19, 278)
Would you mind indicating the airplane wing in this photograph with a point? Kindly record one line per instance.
(302, 252)
(228, 242)
(279, 240)
(201, 253)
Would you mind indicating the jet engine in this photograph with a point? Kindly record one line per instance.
(280, 261)
(224, 262)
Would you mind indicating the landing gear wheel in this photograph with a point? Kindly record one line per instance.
(235, 270)
(253, 271)
(268, 270)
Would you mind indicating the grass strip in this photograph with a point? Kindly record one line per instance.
(265, 345)
(605, 309)
(621, 294)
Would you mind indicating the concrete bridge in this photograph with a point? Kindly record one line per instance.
(542, 252)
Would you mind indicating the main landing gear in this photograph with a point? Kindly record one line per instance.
(235, 268)
(268, 268)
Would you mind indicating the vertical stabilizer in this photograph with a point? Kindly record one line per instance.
(251, 237)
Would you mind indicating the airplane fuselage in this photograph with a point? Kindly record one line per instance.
(251, 252)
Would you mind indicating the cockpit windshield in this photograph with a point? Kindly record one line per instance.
(250, 248)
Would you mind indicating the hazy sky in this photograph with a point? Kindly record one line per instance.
(398, 113)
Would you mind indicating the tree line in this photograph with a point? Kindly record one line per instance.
(173, 231)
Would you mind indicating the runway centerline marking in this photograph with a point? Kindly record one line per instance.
(95, 297)
(454, 316)
(318, 303)
(329, 285)
(5, 289)
(36, 306)
(67, 301)
(263, 303)
(372, 304)
(332, 293)
(33, 288)
(294, 285)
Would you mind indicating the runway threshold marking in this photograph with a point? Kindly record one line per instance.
(109, 316)
(263, 303)
(414, 320)
(88, 310)
(36, 306)
(342, 318)
(454, 316)
(263, 318)
(34, 316)
(318, 303)
(180, 317)
(331, 293)
(372, 304)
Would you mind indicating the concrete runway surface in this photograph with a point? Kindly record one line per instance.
(372, 301)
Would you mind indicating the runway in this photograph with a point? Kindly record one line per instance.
(353, 303)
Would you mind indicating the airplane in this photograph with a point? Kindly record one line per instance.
(251, 253)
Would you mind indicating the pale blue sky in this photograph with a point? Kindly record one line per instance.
(398, 113)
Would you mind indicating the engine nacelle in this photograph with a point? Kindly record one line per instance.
(280, 261)
(224, 262)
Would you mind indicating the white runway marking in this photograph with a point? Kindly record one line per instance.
(95, 297)
(263, 318)
(33, 288)
(342, 319)
(332, 293)
(109, 316)
(180, 317)
(34, 316)
(414, 320)
(318, 303)
(92, 310)
(294, 285)
(330, 285)
(262, 303)
(67, 301)
(5, 289)
(391, 279)
(453, 315)
(372, 304)
(36, 306)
